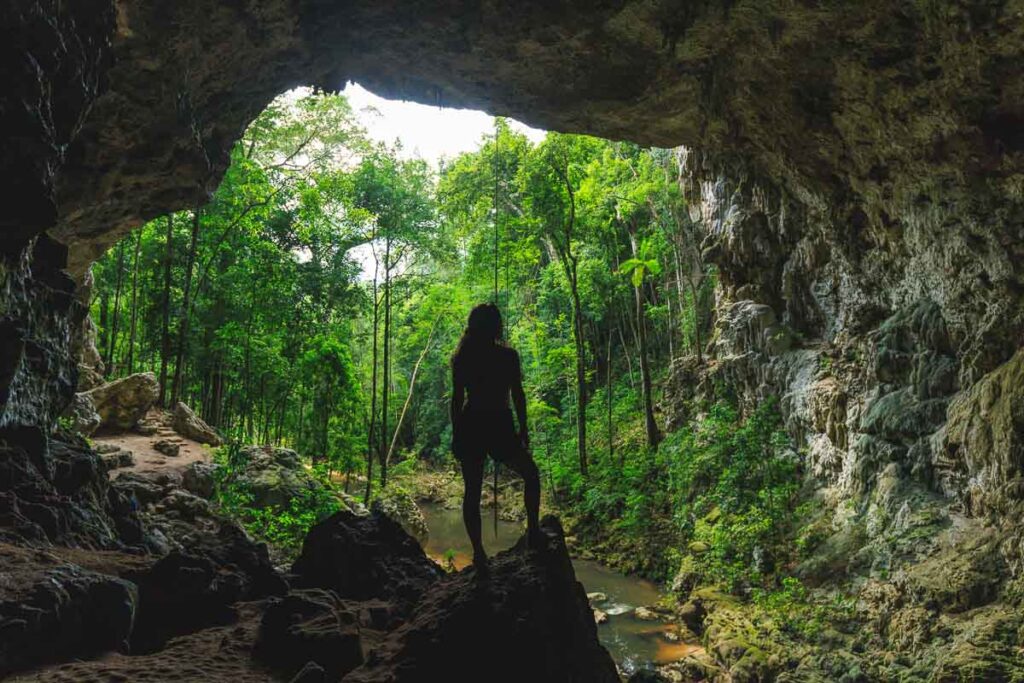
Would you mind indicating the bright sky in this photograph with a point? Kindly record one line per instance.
(425, 131)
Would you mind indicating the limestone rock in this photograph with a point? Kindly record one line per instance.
(365, 557)
(305, 626)
(82, 413)
(527, 621)
(191, 426)
(272, 475)
(123, 402)
(645, 614)
(167, 447)
(399, 505)
(982, 455)
(199, 478)
(117, 459)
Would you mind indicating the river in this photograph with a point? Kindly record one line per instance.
(632, 643)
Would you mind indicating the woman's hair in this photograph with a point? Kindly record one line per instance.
(483, 329)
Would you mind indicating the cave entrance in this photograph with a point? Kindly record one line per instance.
(311, 307)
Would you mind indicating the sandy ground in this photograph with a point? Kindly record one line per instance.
(149, 461)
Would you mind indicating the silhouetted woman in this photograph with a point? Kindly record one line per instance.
(485, 373)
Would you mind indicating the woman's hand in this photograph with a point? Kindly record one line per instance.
(524, 439)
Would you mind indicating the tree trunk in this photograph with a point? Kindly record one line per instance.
(386, 380)
(608, 390)
(653, 435)
(165, 332)
(117, 310)
(581, 376)
(135, 302)
(370, 441)
(186, 302)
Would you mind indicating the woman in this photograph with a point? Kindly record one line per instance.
(485, 373)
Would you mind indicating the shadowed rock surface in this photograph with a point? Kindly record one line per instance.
(365, 557)
(528, 620)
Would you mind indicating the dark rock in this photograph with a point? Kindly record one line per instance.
(168, 448)
(399, 505)
(692, 614)
(51, 611)
(365, 557)
(199, 478)
(309, 626)
(311, 673)
(529, 620)
(117, 459)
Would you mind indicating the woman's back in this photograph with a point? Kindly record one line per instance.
(488, 371)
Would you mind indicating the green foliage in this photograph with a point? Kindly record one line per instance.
(284, 528)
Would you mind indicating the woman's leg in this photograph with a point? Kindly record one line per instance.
(473, 480)
(521, 462)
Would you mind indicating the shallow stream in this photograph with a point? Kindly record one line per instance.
(632, 643)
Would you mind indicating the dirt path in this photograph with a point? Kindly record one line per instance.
(150, 462)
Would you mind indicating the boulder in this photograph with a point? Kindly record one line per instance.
(399, 505)
(272, 475)
(168, 448)
(123, 402)
(82, 413)
(117, 459)
(191, 426)
(199, 479)
(51, 611)
(213, 566)
(365, 557)
(527, 619)
(309, 626)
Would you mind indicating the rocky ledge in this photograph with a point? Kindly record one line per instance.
(185, 595)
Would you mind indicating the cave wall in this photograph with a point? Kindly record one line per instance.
(858, 166)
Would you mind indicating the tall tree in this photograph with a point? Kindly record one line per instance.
(165, 304)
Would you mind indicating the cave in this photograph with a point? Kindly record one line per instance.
(857, 166)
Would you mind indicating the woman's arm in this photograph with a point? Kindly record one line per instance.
(458, 399)
(519, 402)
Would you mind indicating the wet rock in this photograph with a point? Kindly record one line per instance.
(600, 617)
(168, 448)
(529, 603)
(309, 626)
(645, 614)
(596, 598)
(365, 557)
(123, 402)
(191, 426)
(692, 614)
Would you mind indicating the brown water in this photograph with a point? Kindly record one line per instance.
(632, 643)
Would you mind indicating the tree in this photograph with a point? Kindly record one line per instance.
(638, 268)
(552, 180)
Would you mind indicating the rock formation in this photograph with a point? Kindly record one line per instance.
(191, 426)
(528, 620)
(119, 404)
(855, 167)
